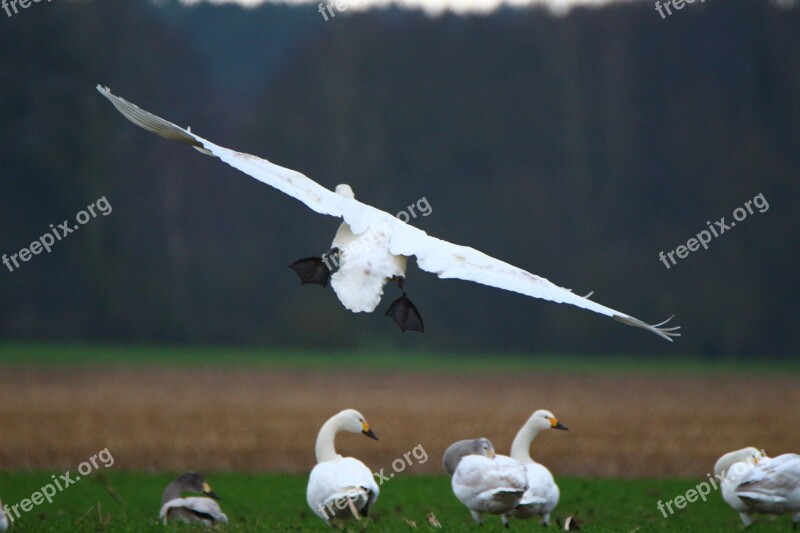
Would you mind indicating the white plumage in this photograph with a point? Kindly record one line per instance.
(773, 487)
(483, 481)
(201, 510)
(3, 518)
(731, 467)
(340, 488)
(206, 510)
(489, 485)
(385, 234)
(543, 494)
(365, 264)
(541, 497)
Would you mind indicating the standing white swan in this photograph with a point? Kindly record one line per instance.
(773, 487)
(482, 481)
(542, 495)
(371, 246)
(339, 487)
(729, 469)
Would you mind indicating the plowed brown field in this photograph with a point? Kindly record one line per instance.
(256, 419)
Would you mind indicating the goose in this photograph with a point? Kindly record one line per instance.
(483, 481)
(729, 469)
(340, 488)
(542, 495)
(772, 487)
(3, 519)
(371, 246)
(193, 509)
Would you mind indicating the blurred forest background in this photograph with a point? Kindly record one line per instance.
(577, 147)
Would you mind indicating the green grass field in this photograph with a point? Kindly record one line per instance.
(116, 500)
(65, 354)
(129, 502)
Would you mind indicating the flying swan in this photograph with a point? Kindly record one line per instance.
(371, 246)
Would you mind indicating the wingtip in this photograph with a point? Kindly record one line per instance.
(153, 123)
(658, 329)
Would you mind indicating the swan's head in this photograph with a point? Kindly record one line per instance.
(354, 422)
(483, 447)
(462, 448)
(749, 455)
(194, 482)
(544, 419)
(344, 189)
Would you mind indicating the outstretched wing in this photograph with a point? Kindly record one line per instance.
(434, 255)
(448, 260)
(288, 181)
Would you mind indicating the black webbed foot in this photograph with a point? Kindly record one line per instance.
(311, 270)
(317, 270)
(405, 315)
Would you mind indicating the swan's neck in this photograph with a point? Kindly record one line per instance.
(325, 448)
(521, 447)
(730, 459)
(173, 491)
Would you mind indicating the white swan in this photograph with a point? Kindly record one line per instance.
(485, 482)
(175, 508)
(371, 246)
(542, 495)
(773, 487)
(729, 469)
(339, 487)
(3, 519)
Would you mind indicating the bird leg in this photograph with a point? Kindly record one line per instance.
(317, 270)
(353, 508)
(404, 312)
(477, 517)
(746, 520)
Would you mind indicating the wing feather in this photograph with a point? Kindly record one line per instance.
(448, 260)
(445, 259)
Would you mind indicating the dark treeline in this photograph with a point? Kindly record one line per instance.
(577, 147)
